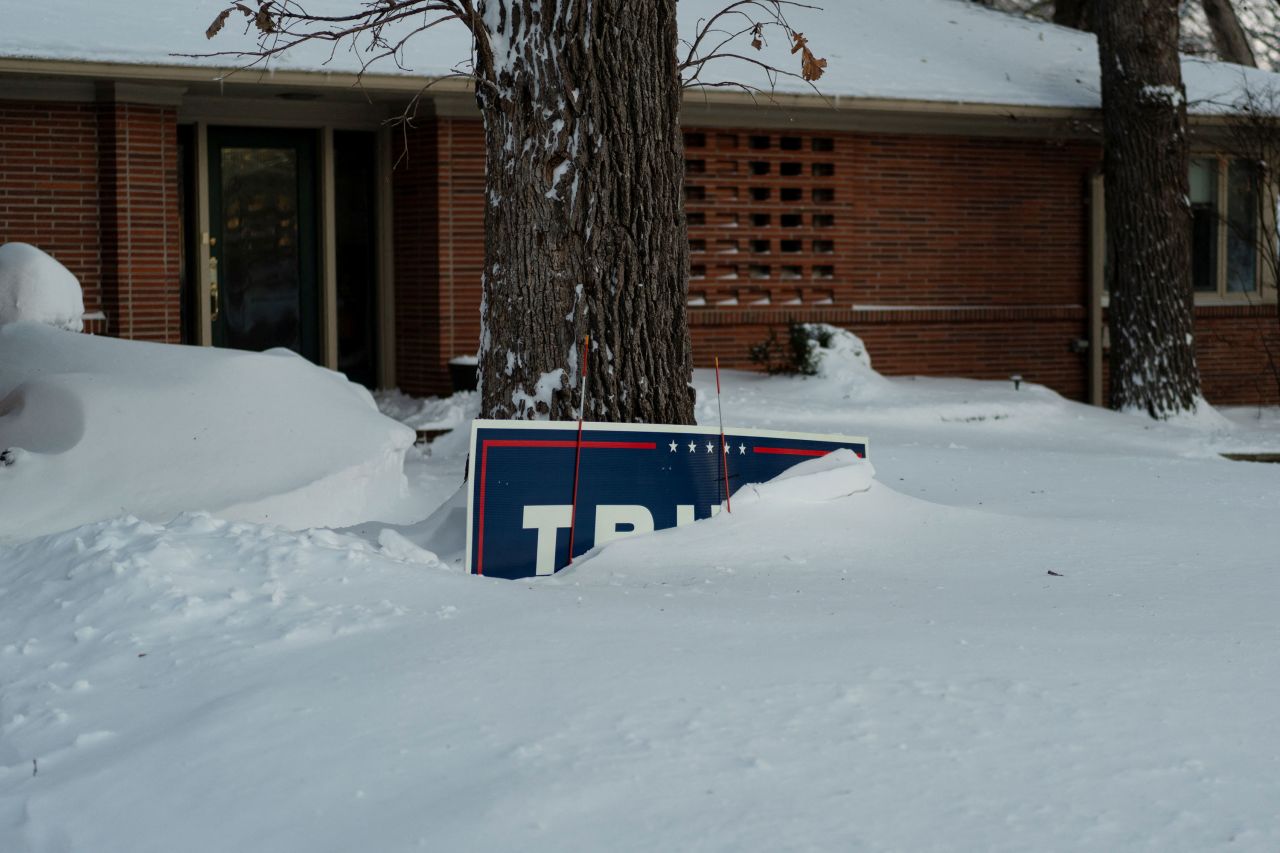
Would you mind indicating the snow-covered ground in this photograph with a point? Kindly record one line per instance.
(1043, 627)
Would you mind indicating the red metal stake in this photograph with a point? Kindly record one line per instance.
(724, 449)
(577, 462)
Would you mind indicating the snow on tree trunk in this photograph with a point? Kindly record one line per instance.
(1153, 364)
(584, 217)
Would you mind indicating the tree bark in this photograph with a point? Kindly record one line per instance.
(1229, 37)
(1153, 364)
(585, 227)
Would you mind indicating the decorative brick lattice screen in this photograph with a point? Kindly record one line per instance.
(762, 218)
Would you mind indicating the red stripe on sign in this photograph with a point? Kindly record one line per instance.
(604, 445)
(484, 475)
(790, 451)
(794, 451)
(516, 442)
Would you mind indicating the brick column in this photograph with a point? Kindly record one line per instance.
(416, 239)
(438, 232)
(49, 185)
(141, 227)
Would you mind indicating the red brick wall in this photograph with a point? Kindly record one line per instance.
(988, 235)
(1238, 349)
(96, 186)
(141, 228)
(438, 201)
(416, 238)
(980, 343)
(49, 186)
(462, 157)
(896, 220)
(981, 241)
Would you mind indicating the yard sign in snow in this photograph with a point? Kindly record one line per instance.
(634, 478)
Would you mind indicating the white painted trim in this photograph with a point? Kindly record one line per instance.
(1220, 278)
(274, 112)
(328, 253)
(1266, 265)
(386, 299)
(204, 322)
(225, 77)
(141, 93)
(70, 91)
(1097, 282)
(1236, 300)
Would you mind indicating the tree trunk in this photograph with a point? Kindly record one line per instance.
(1153, 364)
(1229, 38)
(1073, 13)
(585, 228)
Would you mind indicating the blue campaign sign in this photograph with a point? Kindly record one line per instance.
(632, 478)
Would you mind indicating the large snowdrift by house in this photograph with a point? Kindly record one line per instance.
(34, 287)
(845, 662)
(915, 50)
(94, 427)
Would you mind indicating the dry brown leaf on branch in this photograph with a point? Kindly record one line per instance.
(757, 36)
(263, 18)
(218, 23)
(811, 67)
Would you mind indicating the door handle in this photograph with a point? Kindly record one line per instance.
(214, 304)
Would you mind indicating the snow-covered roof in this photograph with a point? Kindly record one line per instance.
(948, 51)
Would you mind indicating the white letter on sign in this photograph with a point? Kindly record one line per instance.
(547, 520)
(610, 516)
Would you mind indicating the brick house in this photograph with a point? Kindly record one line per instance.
(941, 198)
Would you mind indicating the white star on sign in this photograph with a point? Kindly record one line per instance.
(673, 447)
(692, 445)
(742, 449)
(708, 447)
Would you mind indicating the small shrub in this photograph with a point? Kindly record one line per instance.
(799, 356)
(770, 355)
(807, 339)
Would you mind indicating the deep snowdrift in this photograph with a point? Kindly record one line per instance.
(846, 661)
(34, 287)
(92, 428)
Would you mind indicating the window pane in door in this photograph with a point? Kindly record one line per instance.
(260, 257)
(355, 197)
(1204, 225)
(1242, 227)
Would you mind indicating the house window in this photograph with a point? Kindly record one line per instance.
(1224, 226)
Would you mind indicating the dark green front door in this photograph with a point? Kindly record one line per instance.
(262, 217)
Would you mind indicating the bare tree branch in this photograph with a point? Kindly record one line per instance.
(1229, 36)
(377, 31)
(754, 19)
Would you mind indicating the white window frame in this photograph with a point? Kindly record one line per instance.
(1264, 290)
